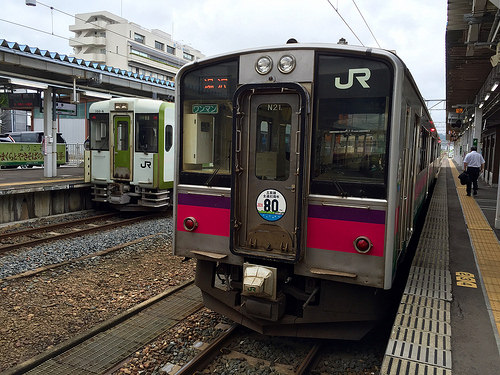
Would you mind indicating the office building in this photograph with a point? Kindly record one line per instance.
(106, 38)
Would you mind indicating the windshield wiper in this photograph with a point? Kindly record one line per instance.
(341, 191)
(216, 171)
(212, 176)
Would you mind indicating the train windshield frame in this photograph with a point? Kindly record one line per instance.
(353, 98)
(99, 131)
(146, 128)
(206, 126)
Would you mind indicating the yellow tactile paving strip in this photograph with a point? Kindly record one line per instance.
(485, 245)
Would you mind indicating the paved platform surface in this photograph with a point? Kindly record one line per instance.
(449, 318)
(32, 179)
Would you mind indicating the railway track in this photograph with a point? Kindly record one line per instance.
(47, 233)
(206, 358)
(99, 350)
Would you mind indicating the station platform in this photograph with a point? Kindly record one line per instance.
(33, 179)
(27, 194)
(448, 321)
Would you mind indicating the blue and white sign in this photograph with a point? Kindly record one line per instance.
(271, 205)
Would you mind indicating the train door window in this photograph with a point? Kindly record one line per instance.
(122, 136)
(146, 130)
(350, 130)
(169, 137)
(99, 131)
(272, 159)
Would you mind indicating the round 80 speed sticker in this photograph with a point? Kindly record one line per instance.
(271, 205)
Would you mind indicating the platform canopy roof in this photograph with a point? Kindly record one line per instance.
(22, 66)
(472, 36)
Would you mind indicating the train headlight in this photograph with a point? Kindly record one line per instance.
(362, 244)
(264, 65)
(286, 64)
(190, 223)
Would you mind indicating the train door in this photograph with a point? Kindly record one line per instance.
(267, 177)
(405, 227)
(121, 148)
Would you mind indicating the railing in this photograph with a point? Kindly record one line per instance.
(75, 154)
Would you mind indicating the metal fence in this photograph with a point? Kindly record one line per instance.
(75, 154)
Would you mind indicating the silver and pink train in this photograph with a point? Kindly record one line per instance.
(302, 170)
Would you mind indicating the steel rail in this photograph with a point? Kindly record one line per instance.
(202, 359)
(84, 220)
(75, 232)
(308, 360)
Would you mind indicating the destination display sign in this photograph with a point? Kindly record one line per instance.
(214, 84)
(24, 100)
(205, 108)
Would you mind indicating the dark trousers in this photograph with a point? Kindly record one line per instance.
(473, 176)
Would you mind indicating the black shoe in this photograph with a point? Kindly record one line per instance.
(475, 193)
(468, 194)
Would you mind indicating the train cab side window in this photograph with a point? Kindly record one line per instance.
(146, 129)
(99, 132)
(169, 137)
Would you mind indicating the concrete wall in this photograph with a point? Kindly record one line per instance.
(23, 204)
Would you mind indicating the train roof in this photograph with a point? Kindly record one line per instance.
(343, 48)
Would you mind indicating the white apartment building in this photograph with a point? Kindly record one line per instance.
(106, 38)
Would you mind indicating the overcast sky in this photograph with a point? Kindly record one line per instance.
(415, 29)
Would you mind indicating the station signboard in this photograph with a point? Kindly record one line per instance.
(67, 109)
(26, 101)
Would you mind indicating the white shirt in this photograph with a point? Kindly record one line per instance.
(474, 159)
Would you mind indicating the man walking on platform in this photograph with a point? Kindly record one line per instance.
(473, 164)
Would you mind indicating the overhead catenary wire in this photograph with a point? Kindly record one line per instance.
(366, 23)
(345, 22)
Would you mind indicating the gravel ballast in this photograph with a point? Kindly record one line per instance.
(44, 310)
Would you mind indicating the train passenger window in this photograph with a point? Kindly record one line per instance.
(146, 130)
(207, 120)
(272, 159)
(423, 144)
(99, 132)
(350, 139)
(169, 137)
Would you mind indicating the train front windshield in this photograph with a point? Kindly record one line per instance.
(146, 130)
(351, 127)
(207, 96)
(99, 131)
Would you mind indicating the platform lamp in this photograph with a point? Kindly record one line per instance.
(31, 3)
